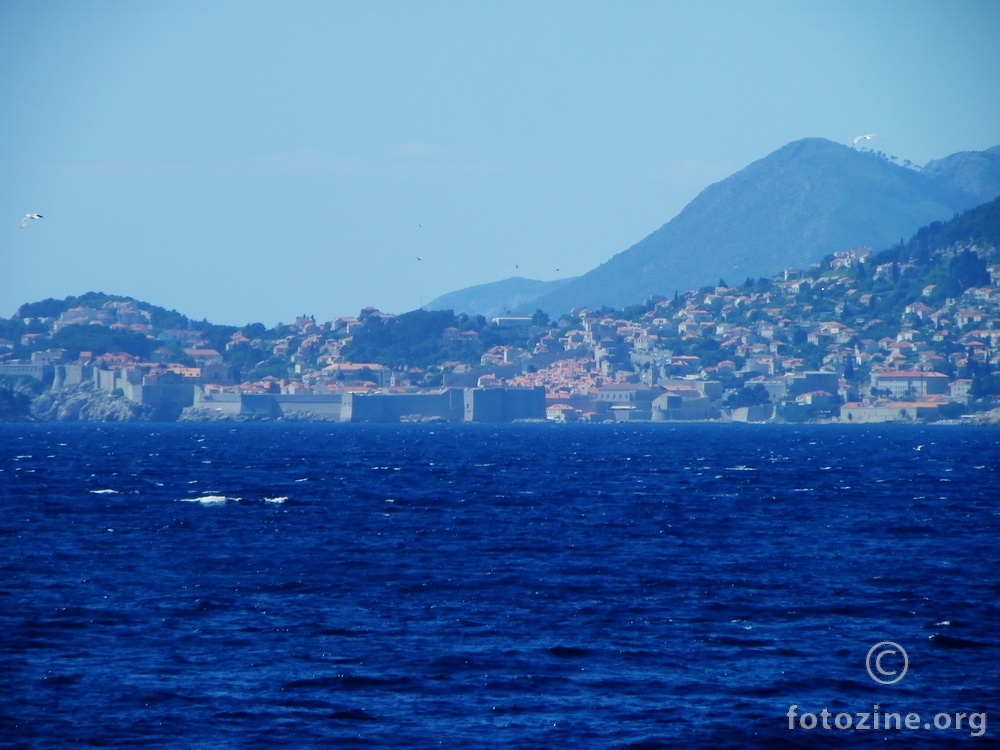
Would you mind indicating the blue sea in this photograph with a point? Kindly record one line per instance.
(525, 586)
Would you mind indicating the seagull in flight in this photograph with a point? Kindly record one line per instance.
(29, 217)
(867, 137)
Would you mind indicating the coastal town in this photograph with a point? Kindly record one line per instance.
(854, 339)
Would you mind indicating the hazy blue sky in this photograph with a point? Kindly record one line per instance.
(251, 161)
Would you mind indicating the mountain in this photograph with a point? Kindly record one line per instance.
(806, 200)
(974, 172)
(498, 297)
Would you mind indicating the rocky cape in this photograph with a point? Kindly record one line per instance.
(86, 403)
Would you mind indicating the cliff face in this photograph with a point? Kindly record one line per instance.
(15, 402)
(85, 403)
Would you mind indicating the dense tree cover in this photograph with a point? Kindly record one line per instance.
(540, 318)
(963, 269)
(160, 318)
(165, 320)
(46, 308)
(100, 340)
(254, 330)
(414, 338)
(980, 225)
(12, 329)
(417, 338)
(217, 336)
(752, 395)
(985, 384)
(53, 308)
(244, 357)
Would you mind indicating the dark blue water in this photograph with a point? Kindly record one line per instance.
(469, 586)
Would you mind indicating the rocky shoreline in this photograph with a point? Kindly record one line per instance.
(988, 418)
(86, 403)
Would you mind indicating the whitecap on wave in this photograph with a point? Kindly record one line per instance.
(104, 492)
(223, 499)
(208, 499)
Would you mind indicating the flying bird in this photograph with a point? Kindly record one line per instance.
(420, 257)
(29, 217)
(867, 137)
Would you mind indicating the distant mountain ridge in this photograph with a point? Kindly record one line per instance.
(497, 297)
(976, 173)
(809, 198)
